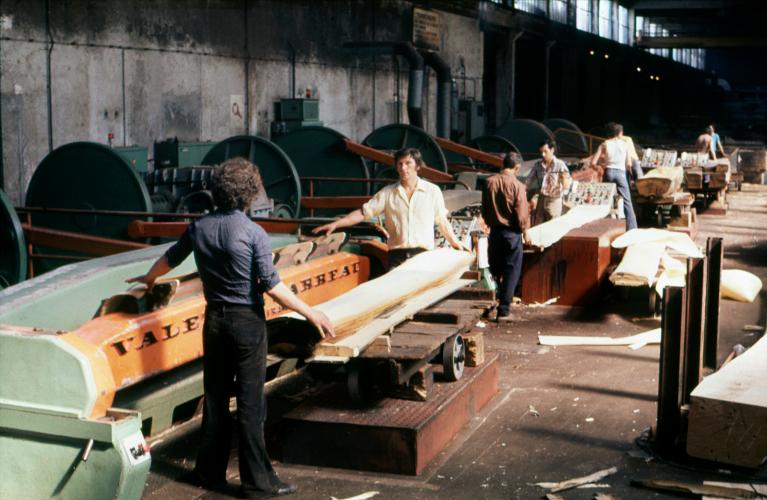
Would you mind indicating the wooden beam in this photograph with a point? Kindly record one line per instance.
(681, 42)
(474, 154)
(78, 242)
(334, 201)
(388, 159)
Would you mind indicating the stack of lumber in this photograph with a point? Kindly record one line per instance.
(372, 308)
(712, 175)
(661, 182)
(728, 412)
(647, 250)
(753, 163)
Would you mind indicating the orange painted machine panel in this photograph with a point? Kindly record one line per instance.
(138, 346)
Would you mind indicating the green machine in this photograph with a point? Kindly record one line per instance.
(50, 386)
(136, 156)
(526, 135)
(393, 137)
(293, 114)
(88, 367)
(13, 257)
(321, 152)
(172, 153)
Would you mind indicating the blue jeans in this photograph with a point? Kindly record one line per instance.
(505, 255)
(618, 177)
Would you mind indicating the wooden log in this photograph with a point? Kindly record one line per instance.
(660, 182)
(375, 307)
(728, 412)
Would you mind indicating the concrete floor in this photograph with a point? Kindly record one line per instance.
(560, 413)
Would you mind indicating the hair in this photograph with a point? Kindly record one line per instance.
(613, 129)
(511, 159)
(405, 152)
(236, 183)
(710, 129)
(551, 143)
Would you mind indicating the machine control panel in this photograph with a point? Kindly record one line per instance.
(136, 448)
(591, 193)
(463, 227)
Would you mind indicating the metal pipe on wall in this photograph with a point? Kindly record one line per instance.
(415, 82)
(444, 91)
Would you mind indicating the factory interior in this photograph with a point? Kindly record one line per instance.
(584, 320)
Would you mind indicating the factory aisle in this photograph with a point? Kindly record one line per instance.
(561, 412)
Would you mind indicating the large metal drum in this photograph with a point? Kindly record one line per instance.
(89, 176)
(527, 135)
(277, 170)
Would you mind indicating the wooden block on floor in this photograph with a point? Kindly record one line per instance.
(728, 412)
(475, 348)
(419, 388)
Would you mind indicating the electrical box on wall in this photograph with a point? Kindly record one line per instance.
(172, 153)
(291, 114)
(471, 119)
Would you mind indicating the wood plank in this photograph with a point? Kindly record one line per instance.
(422, 328)
(352, 345)
(417, 340)
(728, 412)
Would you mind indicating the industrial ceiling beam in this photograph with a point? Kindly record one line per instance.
(679, 42)
(680, 4)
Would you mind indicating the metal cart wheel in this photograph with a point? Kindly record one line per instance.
(357, 383)
(453, 357)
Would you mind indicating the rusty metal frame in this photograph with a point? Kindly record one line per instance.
(669, 378)
(714, 258)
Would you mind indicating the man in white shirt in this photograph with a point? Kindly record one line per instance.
(548, 181)
(411, 208)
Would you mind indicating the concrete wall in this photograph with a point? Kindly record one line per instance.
(146, 70)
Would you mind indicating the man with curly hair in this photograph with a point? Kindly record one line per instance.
(234, 259)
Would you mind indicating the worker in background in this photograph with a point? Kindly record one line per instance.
(716, 143)
(234, 259)
(411, 208)
(505, 211)
(704, 143)
(547, 184)
(635, 171)
(615, 155)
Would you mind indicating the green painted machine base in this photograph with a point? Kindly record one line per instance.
(49, 454)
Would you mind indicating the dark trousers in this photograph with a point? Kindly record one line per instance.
(505, 255)
(400, 255)
(618, 177)
(234, 360)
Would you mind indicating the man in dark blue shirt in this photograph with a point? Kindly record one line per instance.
(234, 259)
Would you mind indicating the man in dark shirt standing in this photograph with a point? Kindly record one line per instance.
(234, 259)
(505, 211)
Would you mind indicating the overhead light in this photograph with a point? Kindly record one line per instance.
(591, 52)
(657, 78)
(639, 70)
(607, 56)
(652, 77)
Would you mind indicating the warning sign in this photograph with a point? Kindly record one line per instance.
(426, 29)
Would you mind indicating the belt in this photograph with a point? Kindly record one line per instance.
(223, 307)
